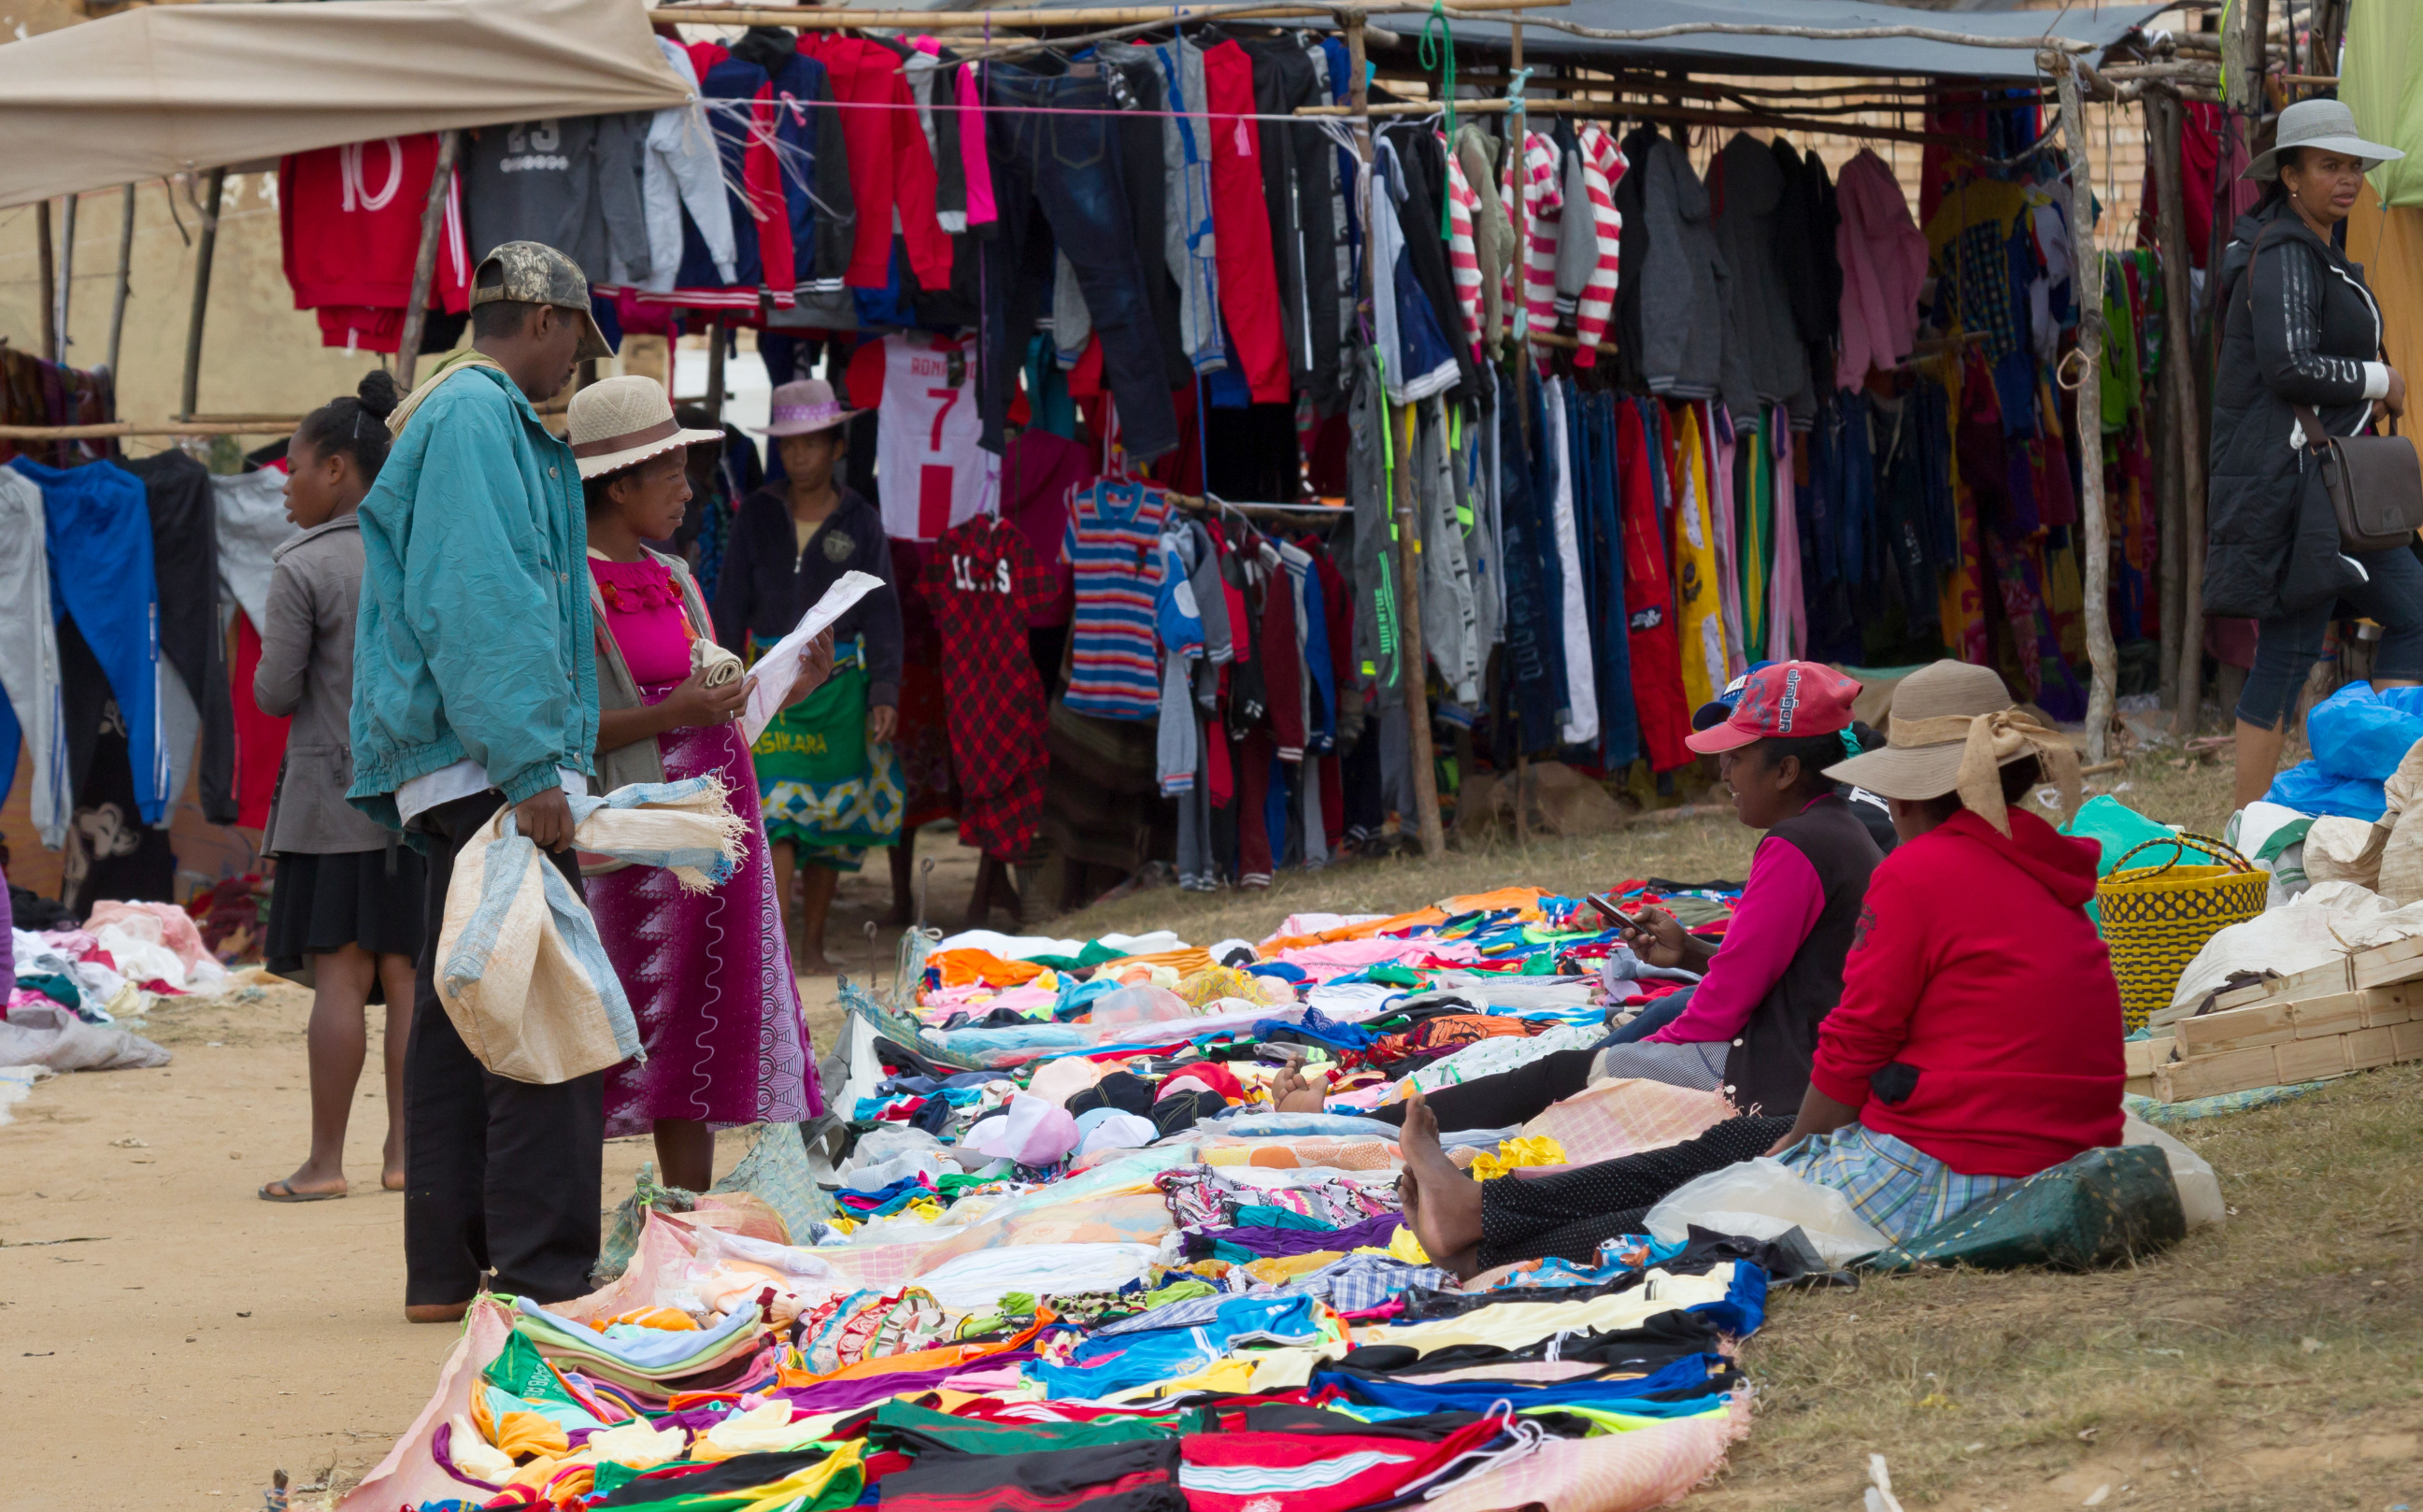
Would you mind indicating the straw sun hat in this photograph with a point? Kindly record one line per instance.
(620, 422)
(1953, 730)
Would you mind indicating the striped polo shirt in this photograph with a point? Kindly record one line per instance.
(1113, 528)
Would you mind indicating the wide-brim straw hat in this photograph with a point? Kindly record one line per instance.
(620, 422)
(802, 408)
(1953, 729)
(2327, 125)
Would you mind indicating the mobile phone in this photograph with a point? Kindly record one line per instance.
(1606, 905)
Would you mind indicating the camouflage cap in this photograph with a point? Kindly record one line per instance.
(533, 273)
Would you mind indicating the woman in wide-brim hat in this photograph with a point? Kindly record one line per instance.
(708, 974)
(2301, 335)
(829, 779)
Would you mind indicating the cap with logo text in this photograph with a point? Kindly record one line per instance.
(1783, 700)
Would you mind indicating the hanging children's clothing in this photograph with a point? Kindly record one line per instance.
(930, 468)
(1113, 529)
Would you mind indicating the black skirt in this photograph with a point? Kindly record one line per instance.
(320, 905)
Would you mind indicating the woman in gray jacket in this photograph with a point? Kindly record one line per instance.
(345, 909)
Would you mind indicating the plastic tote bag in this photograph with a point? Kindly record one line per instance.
(522, 973)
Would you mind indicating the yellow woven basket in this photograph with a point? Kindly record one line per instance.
(2156, 918)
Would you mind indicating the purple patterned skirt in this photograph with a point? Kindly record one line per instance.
(708, 974)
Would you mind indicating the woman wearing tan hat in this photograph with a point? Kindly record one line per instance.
(708, 974)
(829, 780)
(2301, 342)
(1977, 1040)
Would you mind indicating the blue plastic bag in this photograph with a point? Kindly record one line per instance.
(2308, 789)
(2359, 733)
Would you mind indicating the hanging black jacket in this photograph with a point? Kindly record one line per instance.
(2298, 327)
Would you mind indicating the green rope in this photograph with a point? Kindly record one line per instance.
(1439, 53)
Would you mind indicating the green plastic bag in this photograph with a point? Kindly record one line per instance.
(2118, 828)
(2096, 1209)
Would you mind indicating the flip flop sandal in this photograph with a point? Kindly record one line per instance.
(278, 1191)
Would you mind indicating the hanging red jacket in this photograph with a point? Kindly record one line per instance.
(1649, 603)
(891, 164)
(349, 222)
(1241, 225)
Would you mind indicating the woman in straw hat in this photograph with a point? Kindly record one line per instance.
(1977, 1040)
(708, 974)
(829, 781)
(2301, 337)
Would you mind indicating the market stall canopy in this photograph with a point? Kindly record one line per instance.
(2382, 81)
(166, 90)
(1890, 55)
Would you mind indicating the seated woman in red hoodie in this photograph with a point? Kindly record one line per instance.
(1977, 1040)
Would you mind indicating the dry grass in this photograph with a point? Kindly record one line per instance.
(2274, 1362)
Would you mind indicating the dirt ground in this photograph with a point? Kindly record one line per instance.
(169, 1340)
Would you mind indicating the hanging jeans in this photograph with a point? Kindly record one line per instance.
(1057, 180)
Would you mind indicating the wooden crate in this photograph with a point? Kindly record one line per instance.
(2398, 960)
(2275, 1044)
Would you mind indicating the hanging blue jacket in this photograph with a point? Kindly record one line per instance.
(97, 528)
(474, 638)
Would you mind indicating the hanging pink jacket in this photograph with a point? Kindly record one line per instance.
(1884, 261)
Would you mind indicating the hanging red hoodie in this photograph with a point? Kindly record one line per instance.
(1975, 967)
(891, 164)
(350, 222)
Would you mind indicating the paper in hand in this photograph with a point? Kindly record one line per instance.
(778, 667)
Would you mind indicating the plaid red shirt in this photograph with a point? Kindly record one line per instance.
(983, 582)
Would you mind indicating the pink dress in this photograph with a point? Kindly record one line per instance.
(708, 974)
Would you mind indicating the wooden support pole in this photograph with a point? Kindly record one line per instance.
(204, 251)
(715, 337)
(105, 429)
(2088, 428)
(125, 283)
(47, 269)
(424, 260)
(66, 276)
(2169, 121)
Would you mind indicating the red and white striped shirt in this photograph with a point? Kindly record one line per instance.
(1543, 209)
(1603, 164)
(1462, 256)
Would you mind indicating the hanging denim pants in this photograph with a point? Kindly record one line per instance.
(1057, 179)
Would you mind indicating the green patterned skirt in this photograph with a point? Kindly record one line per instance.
(823, 786)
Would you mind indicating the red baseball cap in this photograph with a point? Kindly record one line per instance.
(1787, 700)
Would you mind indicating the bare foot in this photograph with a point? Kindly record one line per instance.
(310, 1183)
(1445, 1213)
(392, 1164)
(436, 1312)
(1291, 1093)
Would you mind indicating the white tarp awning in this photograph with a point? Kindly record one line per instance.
(172, 89)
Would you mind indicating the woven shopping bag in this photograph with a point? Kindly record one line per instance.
(2156, 918)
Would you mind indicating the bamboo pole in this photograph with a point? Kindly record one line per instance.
(1413, 661)
(125, 283)
(128, 427)
(204, 252)
(1032, 18)
(1686, 114)
(2088, 428)
(47, 270)
(67, 275)
(424, 260)
(2187, 416)
(1812, 33)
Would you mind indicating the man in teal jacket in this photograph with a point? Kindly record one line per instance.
(475, 686)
